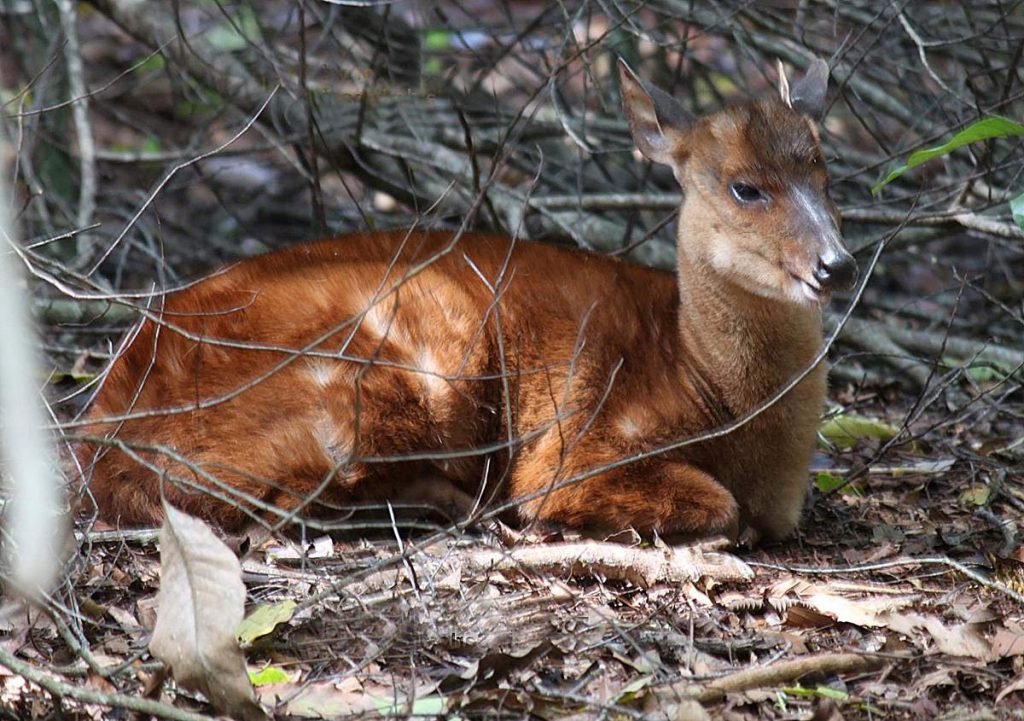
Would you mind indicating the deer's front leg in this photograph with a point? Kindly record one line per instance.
(676, 500)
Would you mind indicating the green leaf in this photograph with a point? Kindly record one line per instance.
(233, 36)
(629, 691)
(268, 676)
(71, 376)
(817, 692)
(984, 129)
(844, 430)
(151, 64)
(263, 619)
(827, 482)
(981, 371)
(204, 101)
(977, 495)
(437, 40)
(984, 373)
(1017, 208)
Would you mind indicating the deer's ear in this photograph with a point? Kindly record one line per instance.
(656, 119)
(807, 95)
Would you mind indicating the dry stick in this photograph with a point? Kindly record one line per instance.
(779, 673)
(921, 44)
(171, 173)
(967, 715)
(61, 690)
(793, 52)
(643, 567)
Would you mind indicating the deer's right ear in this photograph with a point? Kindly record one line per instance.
(808, 95)
(656, 119)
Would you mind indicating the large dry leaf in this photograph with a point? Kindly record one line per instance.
(964, 639)
(200, 604)
(869, 612)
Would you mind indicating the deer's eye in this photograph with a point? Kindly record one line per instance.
(745, 193)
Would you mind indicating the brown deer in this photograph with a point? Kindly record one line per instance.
(384, 366)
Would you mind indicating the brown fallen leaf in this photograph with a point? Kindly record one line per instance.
(963, 639)
(690, 710)
(1008, 641)
(869, 612)
(827, 710)
(200, 604)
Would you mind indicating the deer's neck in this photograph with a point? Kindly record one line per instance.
(737, 346)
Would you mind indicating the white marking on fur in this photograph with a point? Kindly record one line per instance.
(815, 211)
(430, 372)
(322, 372)
(721, 255)
(628, 427)
(377, 320)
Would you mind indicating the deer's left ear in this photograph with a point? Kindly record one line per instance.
(807, 96)
(657, 121)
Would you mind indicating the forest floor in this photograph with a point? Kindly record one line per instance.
(898, 599)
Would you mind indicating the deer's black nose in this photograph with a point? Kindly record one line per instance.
(836, 270)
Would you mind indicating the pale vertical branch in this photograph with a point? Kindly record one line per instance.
(33, 534)
(83, 128)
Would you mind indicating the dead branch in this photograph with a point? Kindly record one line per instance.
(777, 674)
(967, 220)
(884, 338)
(643, 567)
(68, 311)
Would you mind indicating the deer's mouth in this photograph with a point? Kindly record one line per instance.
(809, 289)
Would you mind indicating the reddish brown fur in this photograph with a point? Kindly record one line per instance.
(580, 362)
